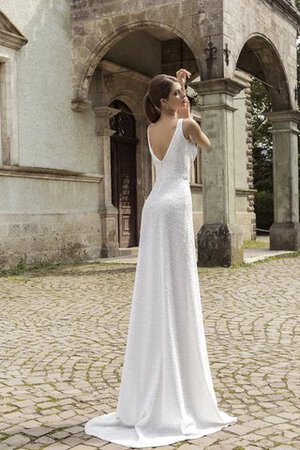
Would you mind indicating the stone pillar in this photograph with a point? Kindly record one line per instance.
(108, 213)
(285, 231)
(220, 240)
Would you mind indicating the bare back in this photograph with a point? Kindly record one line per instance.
(160, 136)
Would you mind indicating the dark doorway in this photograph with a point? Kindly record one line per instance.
(123, 173)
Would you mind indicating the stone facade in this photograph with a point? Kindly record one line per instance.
(63, 65)
(49, 173)
(220, 42)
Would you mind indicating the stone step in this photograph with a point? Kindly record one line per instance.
(125, 251)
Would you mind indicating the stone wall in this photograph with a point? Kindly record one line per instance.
(48, 216)
(50, 179)
(53, 178)
(244, 165)
(48, 238)
(50, 133)
(97, 26)
(273, 23)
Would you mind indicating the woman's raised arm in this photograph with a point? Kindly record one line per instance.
(193, 129)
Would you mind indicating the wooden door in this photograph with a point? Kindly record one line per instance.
(123, 175)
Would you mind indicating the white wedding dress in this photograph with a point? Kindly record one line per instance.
(166, 393)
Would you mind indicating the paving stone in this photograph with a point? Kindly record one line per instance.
(45, 440)
(114, 447)
(17, 440)
(33, 446)
(256, 424)
(57, 446)
(284, 447)
(96, 442)
(189, 446)
(205, 441)
(31, 424)
(239, 429)
(60, 435)
(84, 447)
(275, 419)
(72, 441)
(38, 431)
(61, 362)
(166, 447)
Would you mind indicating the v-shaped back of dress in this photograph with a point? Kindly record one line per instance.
(178, 157)
(170, 144)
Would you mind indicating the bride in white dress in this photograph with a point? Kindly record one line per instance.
(166, 392)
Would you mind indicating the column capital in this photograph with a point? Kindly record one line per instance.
(231, 86)
(79, 104)
(105, 111)
(103, 115)
(292, 115)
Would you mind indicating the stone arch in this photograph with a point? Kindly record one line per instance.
(86, 74)
(260, 57)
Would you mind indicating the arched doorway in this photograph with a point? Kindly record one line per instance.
(117, 81)
(123, 173)
(260, 58)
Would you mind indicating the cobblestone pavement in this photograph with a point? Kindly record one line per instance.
(63, 337)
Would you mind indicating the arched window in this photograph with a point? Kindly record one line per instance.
(123, 122)
(11, 40)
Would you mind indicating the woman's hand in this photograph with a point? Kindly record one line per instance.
(182, 75)
(185, 111)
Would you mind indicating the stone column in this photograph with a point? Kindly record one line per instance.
(220, 240)
(108, 213)
(285, 231)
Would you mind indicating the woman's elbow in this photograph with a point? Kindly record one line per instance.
(206, 144)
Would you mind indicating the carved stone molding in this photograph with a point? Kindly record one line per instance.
(288, 7)
(103, 115)
(282, 116)
(80, 104)
(230, 86)
(45, 173)
(10, 36)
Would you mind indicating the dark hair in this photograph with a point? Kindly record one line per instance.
(159, 87)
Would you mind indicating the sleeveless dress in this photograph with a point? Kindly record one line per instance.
(166, 392)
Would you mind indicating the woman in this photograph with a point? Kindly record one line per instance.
(166, 393)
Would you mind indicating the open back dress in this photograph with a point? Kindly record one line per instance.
(166, 392)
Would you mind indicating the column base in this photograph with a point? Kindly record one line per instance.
(109, 250)
(109, 228)
(285, 236)
(220, 245)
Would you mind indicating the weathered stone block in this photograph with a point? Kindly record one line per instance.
(285, 236)
(219, 245)
(51, 238)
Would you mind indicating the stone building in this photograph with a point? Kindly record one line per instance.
(75, 168)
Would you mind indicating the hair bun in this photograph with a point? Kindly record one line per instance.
(159, 87)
